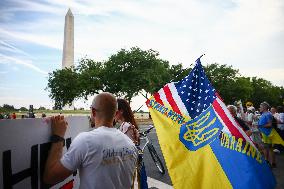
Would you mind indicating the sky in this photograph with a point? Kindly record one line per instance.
(247, 34)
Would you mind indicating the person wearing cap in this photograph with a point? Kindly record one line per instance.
(265, 127)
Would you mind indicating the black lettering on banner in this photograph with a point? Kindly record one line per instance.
(44, 149)
(10, 179)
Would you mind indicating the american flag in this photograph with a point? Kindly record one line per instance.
(195, 94)
(208, 137)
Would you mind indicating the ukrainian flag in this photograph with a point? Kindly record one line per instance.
(269, 134)
(203, 146)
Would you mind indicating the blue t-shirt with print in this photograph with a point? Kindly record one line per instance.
(263, 120)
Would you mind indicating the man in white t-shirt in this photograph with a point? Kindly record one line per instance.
(105, 157)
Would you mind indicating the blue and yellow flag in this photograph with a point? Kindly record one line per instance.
(269, 134)
(203, 146)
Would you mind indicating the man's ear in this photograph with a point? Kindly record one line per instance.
(93, 112)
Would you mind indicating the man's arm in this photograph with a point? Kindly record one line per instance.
(54, 171)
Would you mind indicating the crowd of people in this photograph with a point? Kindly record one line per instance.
(22, 116)
(261, 125)
(107, 156)
(8, 116)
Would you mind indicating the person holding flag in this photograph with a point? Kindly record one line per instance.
(269, 134)
(202, 144)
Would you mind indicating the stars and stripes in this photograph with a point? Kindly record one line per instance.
(193, 95)
(193, 108)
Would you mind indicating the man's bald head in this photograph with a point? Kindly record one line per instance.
(105, 106)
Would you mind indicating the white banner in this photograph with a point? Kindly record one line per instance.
(24, 145)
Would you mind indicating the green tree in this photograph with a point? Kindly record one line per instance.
(41, 108)
(90, 77)
(263, 90)
(126, 74)
(23, 109)
(129, 72)
(63, 86)
(228, 82)
(223, 79)
(8, 107)
(242, 89)
(177, 72)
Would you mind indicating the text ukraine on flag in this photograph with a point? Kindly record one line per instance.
(203, 146)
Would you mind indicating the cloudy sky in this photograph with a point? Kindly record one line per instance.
(247, 34)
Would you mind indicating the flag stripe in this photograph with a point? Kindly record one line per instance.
(234, 123)
(234, 131)
(177, 99)
(170, 99)
(225, 128)
(235, 164)
(163, 97)
(158, 99)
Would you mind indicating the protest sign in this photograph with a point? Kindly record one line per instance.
(24, 146)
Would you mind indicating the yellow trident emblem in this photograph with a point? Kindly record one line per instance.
(195, 131)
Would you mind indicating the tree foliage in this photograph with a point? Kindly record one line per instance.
(90, 77)
(63, 86)
(23, 109)
(41, 108)
(228, 82)
(130, 72)
(7, 108)
(263, 90)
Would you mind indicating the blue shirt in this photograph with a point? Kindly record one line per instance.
(263, 120)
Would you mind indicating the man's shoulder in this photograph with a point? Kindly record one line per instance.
(103, 131)
(82, 136)
(268, 115)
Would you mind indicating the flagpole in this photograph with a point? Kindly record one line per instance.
(198, 59)
(201, 56)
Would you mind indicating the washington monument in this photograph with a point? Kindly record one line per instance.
(68, 47)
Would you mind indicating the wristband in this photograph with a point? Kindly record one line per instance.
(56, 138)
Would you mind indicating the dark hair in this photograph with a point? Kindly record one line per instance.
(126, 111)
(280, 109)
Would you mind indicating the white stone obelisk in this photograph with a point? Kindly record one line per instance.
(68, 47)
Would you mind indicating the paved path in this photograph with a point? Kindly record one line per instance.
(153, 184)
(279, 170)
